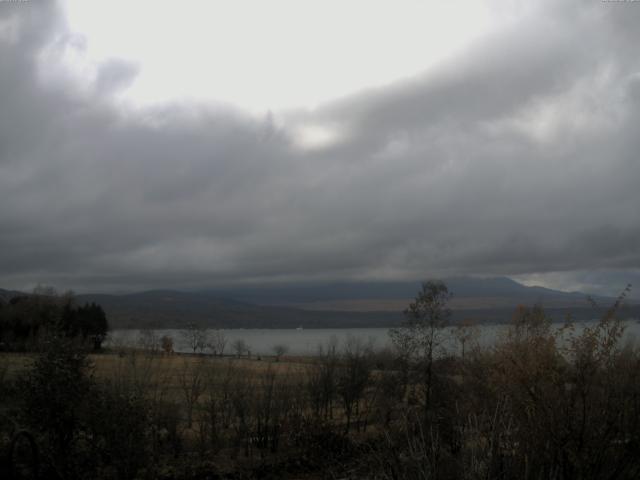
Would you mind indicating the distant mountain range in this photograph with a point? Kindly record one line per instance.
(459, 286)
(334, 305)
(468, 292)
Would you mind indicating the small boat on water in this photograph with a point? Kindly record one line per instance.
(299, 328)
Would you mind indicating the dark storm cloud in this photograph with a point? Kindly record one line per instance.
(518, 156)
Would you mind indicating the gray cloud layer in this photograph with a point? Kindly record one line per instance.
(518, 157)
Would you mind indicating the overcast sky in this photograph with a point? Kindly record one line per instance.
(199, 144)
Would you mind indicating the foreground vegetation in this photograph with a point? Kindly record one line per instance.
(542, 403)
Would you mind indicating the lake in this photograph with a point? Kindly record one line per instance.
(307, 341)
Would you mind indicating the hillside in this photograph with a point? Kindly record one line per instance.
(157, 309)
(484, 300)
(468, 293)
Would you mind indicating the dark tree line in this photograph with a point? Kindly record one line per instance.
(27, 319)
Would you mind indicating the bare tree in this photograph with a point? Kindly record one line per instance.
(353, 377)
(218, 342)
(465, 332)
(321, 382)
(195, 336)
(421, 335)
(192, 383)
(240, 347)
(166, 342)
(280, 350)
(218, 408)
(148, 341)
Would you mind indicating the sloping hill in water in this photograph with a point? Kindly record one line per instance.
(334, 305)
(365, 304)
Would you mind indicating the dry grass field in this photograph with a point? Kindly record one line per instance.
(119, 365)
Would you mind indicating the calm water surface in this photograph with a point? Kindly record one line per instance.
(307, 341)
